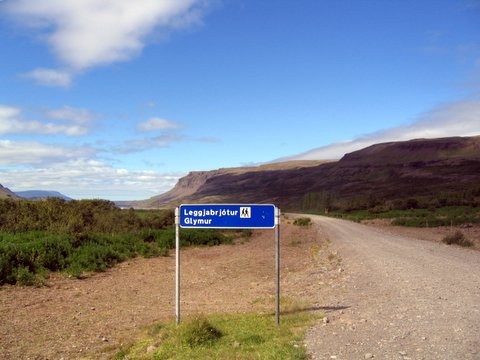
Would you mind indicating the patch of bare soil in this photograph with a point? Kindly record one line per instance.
(94, 317)
(471, 232)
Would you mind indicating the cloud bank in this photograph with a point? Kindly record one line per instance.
(12, 122)
(31, 153)
(460, 118)
(78, 177)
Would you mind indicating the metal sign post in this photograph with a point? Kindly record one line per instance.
(277, 264)
(227, 216)
(177, 268)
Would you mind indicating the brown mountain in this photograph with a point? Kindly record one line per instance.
(427, 172)
(6, 193)
(187, 186)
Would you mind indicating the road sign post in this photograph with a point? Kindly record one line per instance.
(177, 268)
(227, 216)
(277, 264)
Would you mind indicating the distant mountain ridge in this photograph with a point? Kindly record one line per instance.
(430, 170)
(41, 194)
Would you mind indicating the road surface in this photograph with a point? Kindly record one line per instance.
(402, 298)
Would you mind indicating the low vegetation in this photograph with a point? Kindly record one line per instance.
(75, 237)
(378, 203)
(225, 336)
(432, 217)
(302, 221)
(457, 238)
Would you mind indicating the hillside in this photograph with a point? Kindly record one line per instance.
(41, 194)
(196, 180)
(431, 172)
(6, 193)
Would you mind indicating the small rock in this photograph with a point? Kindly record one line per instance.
(104, 339)
(369, 356)
(92, 308)
(236, 344)
(326, 320)
(403, 353)
(151, 349)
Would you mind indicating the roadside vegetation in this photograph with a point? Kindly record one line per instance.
(77, 237)
(302, 221)
(225, 336)
(457, 238)
(436, 209)
(432, 217)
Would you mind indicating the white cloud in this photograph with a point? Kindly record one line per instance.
(50, 77)
(67, 113)
(137, 145)
(30, 153)
(460, 118)
(87, 33)
(157, 124)
(11, 122)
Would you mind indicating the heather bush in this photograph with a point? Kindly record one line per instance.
(457, 238)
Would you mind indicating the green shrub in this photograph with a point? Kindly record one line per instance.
(303, 221)
(159, 219)
(198, 332)
(206, 237)
(24, 277)
(457, 238)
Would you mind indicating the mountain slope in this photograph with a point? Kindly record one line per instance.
(433, 171)
(6, 193)
(189, 185)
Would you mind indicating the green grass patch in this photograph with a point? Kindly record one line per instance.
(226, 336)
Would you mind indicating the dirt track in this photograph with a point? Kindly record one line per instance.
(405, 298)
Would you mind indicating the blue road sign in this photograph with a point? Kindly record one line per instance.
(227, 216)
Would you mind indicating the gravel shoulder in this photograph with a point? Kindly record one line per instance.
(403, 298)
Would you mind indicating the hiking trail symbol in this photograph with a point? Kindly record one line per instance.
(245, 213)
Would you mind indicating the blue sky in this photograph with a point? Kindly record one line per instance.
(118, 99)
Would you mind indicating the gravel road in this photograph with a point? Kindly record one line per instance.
(404, 298)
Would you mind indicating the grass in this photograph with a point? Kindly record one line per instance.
(226, 336)
(444, 216)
